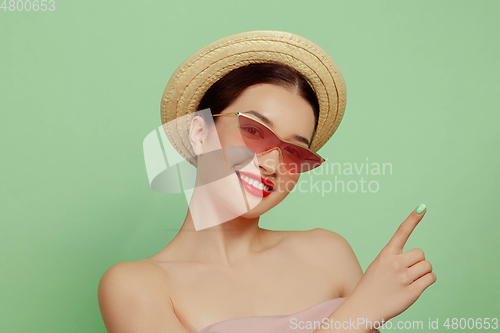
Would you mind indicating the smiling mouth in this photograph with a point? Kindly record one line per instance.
(255, 183)
(256, 187)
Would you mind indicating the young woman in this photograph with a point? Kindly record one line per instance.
(279, 97)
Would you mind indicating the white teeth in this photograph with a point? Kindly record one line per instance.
(255, 183)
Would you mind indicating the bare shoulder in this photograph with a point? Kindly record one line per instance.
(331, 252)
(133, 297)
(318, 240)
(128, 282)
(135, 269)
(139, 274)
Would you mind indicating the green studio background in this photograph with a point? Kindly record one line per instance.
(80, 89)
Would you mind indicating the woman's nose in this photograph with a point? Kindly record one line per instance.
(270, 160)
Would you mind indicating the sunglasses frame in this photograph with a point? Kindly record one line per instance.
(277, 135)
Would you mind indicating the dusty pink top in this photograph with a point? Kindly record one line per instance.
(302, 321)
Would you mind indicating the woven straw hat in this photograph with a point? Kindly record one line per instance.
(194, 76)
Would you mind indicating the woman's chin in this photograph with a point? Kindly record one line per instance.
(261, 208)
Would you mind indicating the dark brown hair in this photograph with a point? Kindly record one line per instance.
(223, 92)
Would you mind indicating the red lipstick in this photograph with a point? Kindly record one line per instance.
(250, 180)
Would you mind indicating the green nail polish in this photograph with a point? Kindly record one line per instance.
(420, 209)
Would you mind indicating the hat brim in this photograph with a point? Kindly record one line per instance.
(194, 77)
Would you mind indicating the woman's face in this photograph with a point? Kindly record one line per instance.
(286, 113)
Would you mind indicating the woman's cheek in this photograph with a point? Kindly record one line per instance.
(286, 185)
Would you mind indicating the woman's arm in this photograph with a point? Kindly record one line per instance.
(133, 299)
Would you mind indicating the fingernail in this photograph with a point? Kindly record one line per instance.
(420, 209)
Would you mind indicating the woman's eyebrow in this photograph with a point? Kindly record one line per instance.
(264, 119)
(269, 123)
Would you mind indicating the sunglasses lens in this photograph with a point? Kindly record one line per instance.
(260, 139)
(257, 136)
(299, 159)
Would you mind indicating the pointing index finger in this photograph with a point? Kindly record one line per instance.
(398, 241)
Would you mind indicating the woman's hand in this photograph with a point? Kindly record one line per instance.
(395, 280)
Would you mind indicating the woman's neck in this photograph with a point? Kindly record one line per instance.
(228, 243)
